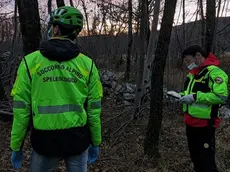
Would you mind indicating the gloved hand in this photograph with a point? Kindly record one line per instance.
(188, 99)
(174, 94)
(16, 159)
(93, 153)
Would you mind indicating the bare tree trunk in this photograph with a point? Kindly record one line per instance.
(2, 89)
(71, 3)
(2, 33)
(143, 36)
(151, 47)
(15, 26)
(103, 24)
(151, 144)
(210, 25)
(86, 15)
(202, 23)
(219, 7)
(49, 4)
(138, 17)
(184, 29)
(30, 24)
(148, 25)
(130, 39)
(13, 54)
(223, 8)
(60, 3)
(216, 24)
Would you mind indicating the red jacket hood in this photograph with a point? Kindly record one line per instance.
(211, 60)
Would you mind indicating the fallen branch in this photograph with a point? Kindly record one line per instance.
(117, 147)
(223, 29)
(5, 113)
(139, 113)
(116, 116)
(108, 159)
(123, 126)
(6, 116)
(7, 170)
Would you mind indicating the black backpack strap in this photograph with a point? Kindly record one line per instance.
(27, 68)
(215, 108)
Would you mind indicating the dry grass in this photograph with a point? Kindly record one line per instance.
(123, 152)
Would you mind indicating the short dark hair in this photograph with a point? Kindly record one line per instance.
(192, 50)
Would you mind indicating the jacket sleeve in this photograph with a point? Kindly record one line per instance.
(95, 95)
(219, 88)
(182, 93)
(21, 107)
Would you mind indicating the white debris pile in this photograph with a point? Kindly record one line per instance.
(124, 93)
(224, 112)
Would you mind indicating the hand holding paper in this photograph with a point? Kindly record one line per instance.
(174, 94)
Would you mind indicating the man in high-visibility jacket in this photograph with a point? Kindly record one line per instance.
(60, 89)
(205, 88)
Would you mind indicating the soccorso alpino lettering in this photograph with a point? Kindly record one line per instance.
(50, 68)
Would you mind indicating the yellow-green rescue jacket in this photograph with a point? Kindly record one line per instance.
(65, 96)
(210, 89)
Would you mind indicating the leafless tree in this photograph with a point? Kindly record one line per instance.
(143, 48)
(130, 39)
(210, 25)
(202, 22)
(60, 3)
(151, 144)
(49, 4)
(30, 24)
(151, 48)
(86, 15)
(71, 3)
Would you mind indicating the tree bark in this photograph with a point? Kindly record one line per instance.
(155, 120)
(15, 27)
(202, 23)
(60, 3)
(71, 3)
(86, 15)
(2, 33)
(216, 24)
(138, 17)
(14, 54)
(151, 47)
(49, 4)
(30, 24)
(210, 25)
(184, 25)
(130, 39)
(143, 48)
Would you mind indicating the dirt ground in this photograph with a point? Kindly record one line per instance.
(122, 150)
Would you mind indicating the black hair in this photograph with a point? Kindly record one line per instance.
(192, 50)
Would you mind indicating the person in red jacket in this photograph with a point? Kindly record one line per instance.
(205, 89)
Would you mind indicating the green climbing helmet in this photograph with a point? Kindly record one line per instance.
(68, 17)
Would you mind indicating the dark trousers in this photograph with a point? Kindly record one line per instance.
(201, 143)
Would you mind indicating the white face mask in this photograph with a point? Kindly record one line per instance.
(192, 66)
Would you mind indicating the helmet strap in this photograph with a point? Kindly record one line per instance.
(50, 33)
